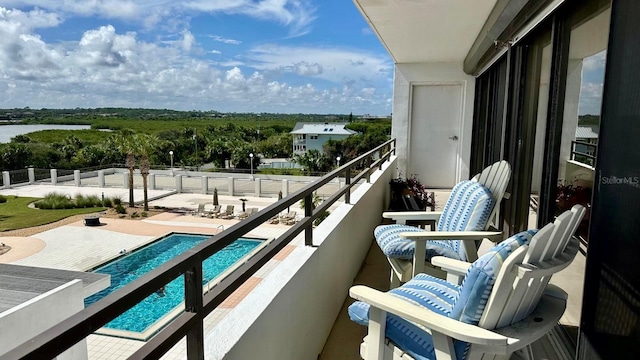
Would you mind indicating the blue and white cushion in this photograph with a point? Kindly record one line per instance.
(464, 302)
(468, 209)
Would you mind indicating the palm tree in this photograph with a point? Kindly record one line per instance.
(145, 146)
(131, 164)
(144, 171)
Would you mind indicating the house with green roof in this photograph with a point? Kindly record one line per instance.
(309, 136)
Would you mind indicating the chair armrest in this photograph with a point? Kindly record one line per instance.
(404, 216)
(451, 266)
(494, 236)
(428, 319)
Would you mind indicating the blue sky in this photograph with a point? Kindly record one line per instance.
(292, 56)
(288, 56)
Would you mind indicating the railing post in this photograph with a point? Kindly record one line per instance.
(101, 178)
(194, 304)
(308, 211)
(204, 183)
(6, 179)
(152, 181)
(347, 181)
(54, 176)
(231, 186)
(368, 169)
(32, 175)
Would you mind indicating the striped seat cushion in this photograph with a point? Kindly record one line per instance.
(468, 209)
(465, 302)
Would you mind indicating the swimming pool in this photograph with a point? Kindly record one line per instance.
(157, 306)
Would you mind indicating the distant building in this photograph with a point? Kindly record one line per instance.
(309, 136)
(587, 134)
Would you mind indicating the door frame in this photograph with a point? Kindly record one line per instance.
(463, 93)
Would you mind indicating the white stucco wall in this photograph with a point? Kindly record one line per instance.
(570, 120)
(289, 315)
(407, 75)
(29, 319)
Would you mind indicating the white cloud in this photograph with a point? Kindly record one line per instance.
(225, 40)
(303, 68)
(336, 65)
(590, 98)
(596, 61)
(297, 14)
(105, 67)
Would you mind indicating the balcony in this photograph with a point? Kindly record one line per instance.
(328, 256)
(299, 309)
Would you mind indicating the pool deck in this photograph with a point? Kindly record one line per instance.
(75, 246)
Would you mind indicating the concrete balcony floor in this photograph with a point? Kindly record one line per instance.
(344, 341)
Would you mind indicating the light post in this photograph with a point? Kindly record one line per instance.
(195, 140)
(251, 161)
(171, 155)
(338, 161)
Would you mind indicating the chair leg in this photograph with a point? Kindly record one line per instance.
(394, 281)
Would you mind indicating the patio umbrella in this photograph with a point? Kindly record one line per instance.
(215, 196)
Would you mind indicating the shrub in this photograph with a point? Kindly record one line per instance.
(144, 214)
(135, 215)
(85, 201)
(117, 201)
(120, 209)
(3, 199)
(107, 202)
(54, 201)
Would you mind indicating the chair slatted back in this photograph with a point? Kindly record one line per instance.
(495, 178)
(525, 274)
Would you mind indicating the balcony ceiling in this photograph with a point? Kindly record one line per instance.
(426, 30)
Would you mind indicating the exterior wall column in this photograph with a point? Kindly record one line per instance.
(76, 177)
(178, 183)
(125, 180)
(54, 176)
(151, 181)
(32, 175)
(231, 186)
(285, 188)
(6, 179)
(205, 184)
(101, 178)
(258, 187)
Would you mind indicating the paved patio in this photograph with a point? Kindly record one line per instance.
(75, 246)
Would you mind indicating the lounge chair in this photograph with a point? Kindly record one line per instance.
(461, 226)
(289, 219)
(227, 214)
(503, 305)
(246, 214)
(215, 212)
(199, 211)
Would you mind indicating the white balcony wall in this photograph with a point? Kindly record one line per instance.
(291, 313)
(431, 74)
(25, 321)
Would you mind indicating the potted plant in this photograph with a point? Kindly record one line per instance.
(410, 194)
(570, 194)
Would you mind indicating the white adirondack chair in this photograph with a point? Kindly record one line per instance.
(495, 178)
(511, 314)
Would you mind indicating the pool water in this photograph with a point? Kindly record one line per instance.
(140, 262)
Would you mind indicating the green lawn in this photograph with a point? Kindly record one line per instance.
(15, 214)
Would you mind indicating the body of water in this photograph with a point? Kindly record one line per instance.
(9, 131)
(130, 267)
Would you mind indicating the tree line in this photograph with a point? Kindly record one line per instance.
(205, 142)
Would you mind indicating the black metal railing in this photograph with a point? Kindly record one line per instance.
(20, 176)
(62, 336)
(584, 152)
